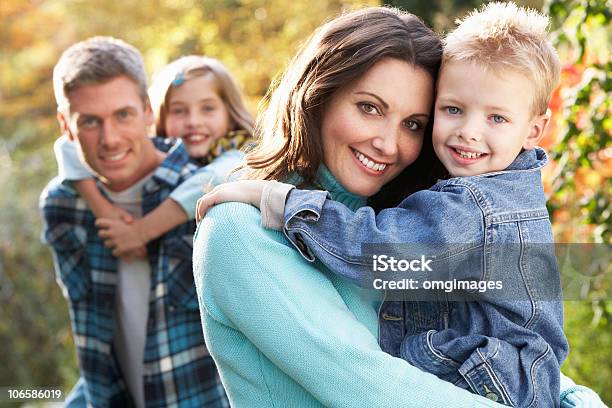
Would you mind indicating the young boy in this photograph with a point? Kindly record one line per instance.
(487, 224)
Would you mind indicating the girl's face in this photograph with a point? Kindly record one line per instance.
(373, 128)
(197, 114)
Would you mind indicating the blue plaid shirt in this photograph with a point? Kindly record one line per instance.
(178, 371)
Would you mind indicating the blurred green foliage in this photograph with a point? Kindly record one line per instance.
(255, 39)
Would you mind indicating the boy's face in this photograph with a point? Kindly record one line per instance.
(483, 119)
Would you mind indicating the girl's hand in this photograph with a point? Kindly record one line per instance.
(244, 191)
(125, 238)
(106, 209)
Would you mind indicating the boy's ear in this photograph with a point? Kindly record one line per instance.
(536, 131)
(64, 126)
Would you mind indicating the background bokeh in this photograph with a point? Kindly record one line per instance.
(255, 39)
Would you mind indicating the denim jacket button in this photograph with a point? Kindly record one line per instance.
(492, 396)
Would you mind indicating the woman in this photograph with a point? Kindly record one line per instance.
(282, 333)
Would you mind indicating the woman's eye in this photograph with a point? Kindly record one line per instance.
(413, 125)
(177, 111)
(369, 108)
(499, 119)
(453, 110)
(208, 108)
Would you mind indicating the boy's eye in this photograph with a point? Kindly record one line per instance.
(453, 110)
(367, 107)
(498, 119)
(413, 125)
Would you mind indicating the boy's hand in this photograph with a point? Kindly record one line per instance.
(244, 191)
(126, 239)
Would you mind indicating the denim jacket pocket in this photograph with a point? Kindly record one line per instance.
(179, 281)
(69, 244)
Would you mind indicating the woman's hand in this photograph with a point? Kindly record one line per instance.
(244, 191)
(126, 239)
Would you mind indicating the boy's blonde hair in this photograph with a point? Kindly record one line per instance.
(503, 36)
(193, 66)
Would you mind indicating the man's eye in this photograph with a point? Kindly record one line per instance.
(123, 114)
(88, 123)
(368, 108)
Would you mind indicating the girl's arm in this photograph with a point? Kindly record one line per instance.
(173, 211)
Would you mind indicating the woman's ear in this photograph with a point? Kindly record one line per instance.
(536, 131)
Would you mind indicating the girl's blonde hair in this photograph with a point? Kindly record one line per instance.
(338, 53)
(193, 66)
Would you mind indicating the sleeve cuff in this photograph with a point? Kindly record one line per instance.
(272, 204)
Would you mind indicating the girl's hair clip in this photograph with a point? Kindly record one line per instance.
(179, 79)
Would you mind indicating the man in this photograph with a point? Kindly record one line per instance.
(136, 323)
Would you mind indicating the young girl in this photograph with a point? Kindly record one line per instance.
(194, 98)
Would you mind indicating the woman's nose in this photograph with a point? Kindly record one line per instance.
(386, 143)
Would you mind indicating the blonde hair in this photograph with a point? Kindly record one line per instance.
(503, 36)
(193, 66)
(338, 53)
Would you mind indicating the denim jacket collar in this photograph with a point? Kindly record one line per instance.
(527, 160)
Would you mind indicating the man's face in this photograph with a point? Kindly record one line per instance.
(109, 122)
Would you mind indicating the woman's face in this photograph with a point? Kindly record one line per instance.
(373, 128)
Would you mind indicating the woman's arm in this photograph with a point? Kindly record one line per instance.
(295, 316)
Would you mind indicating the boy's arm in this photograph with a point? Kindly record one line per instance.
(423, 223)
(514, 372)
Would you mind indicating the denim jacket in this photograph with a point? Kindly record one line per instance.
(504, 344)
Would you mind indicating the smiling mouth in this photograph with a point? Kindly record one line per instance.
(467, 155)
(368, 162)
(115, 158)
(195, 138)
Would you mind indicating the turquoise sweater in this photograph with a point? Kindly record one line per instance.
(287, 333)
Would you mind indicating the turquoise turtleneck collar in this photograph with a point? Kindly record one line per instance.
(326, 180)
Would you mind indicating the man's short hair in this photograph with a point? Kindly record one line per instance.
(503, 36)
(95, 61)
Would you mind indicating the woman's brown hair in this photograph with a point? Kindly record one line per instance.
(337, 53)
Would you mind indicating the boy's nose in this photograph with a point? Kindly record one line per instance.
(470, 132)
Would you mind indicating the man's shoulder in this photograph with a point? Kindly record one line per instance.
(59, 202)
(57, 192)
(177, 165)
